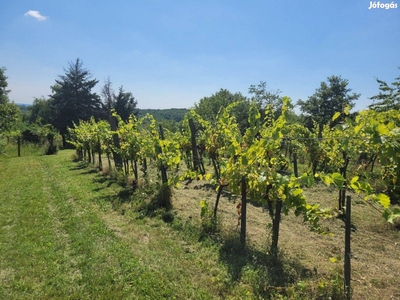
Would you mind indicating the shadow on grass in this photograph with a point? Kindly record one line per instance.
(117, 201)
(212, 187)
(84, 165)
(79, 166)
(267, 272)
(91, 171)
(268, 275)
(103, 179)
(156, 203)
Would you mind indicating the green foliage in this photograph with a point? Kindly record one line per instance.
(209, 107)
(382, 131)
(139, 141)
(388, 97)
(162, 115)
(208, 222)
(329, 98)
(123, 103)
(329, 288)
(9, 118)
(72, 98)
(50, 140)
(260, 154)
(3, 86)
(265, 98)
(41, 111)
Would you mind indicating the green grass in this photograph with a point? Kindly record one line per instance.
(56, 245)
(10, 149)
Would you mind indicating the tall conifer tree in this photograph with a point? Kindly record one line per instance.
(72, 97)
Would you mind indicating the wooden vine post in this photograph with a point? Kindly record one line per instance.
(342, 191)
(296, 171)
(19, 146)
(275, 227)
(163, 170)
(347, 251)
(99, 149)
(220, 188)
(196, 158)
(243, 214)
(116, 154)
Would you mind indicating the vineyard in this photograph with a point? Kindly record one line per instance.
(264, 161)
(274, 199)
(272, 164)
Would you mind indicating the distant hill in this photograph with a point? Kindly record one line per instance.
(174, 114)
(170, 114)
(23, 107)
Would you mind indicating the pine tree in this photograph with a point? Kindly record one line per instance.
(72, 98)
(388, 97)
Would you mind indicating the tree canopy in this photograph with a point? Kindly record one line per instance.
(208, 107)
(123, 103)
(72, 98)
(388, 97)
(41, 111)
(9, 112)
(331, 97)
(3, 86)
(9, 117)
(264, 98)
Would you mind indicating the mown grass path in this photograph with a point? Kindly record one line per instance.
(56, 242)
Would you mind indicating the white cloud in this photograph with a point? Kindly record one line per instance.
(35, 14)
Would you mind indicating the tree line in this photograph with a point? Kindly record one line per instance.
(72, 99)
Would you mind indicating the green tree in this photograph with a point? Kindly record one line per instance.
(123, 103)
(208, 107)
(41, 111)
(72, 98)
(9, 117)
(388, 97)
(264, 98)
(3, 86)
(107, 95)
(331, 97)
(9, 112)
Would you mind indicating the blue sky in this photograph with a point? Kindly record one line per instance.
(173, 53)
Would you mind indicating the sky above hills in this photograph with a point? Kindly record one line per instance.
(173, 53)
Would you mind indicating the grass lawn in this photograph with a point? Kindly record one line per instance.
(55, 243)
